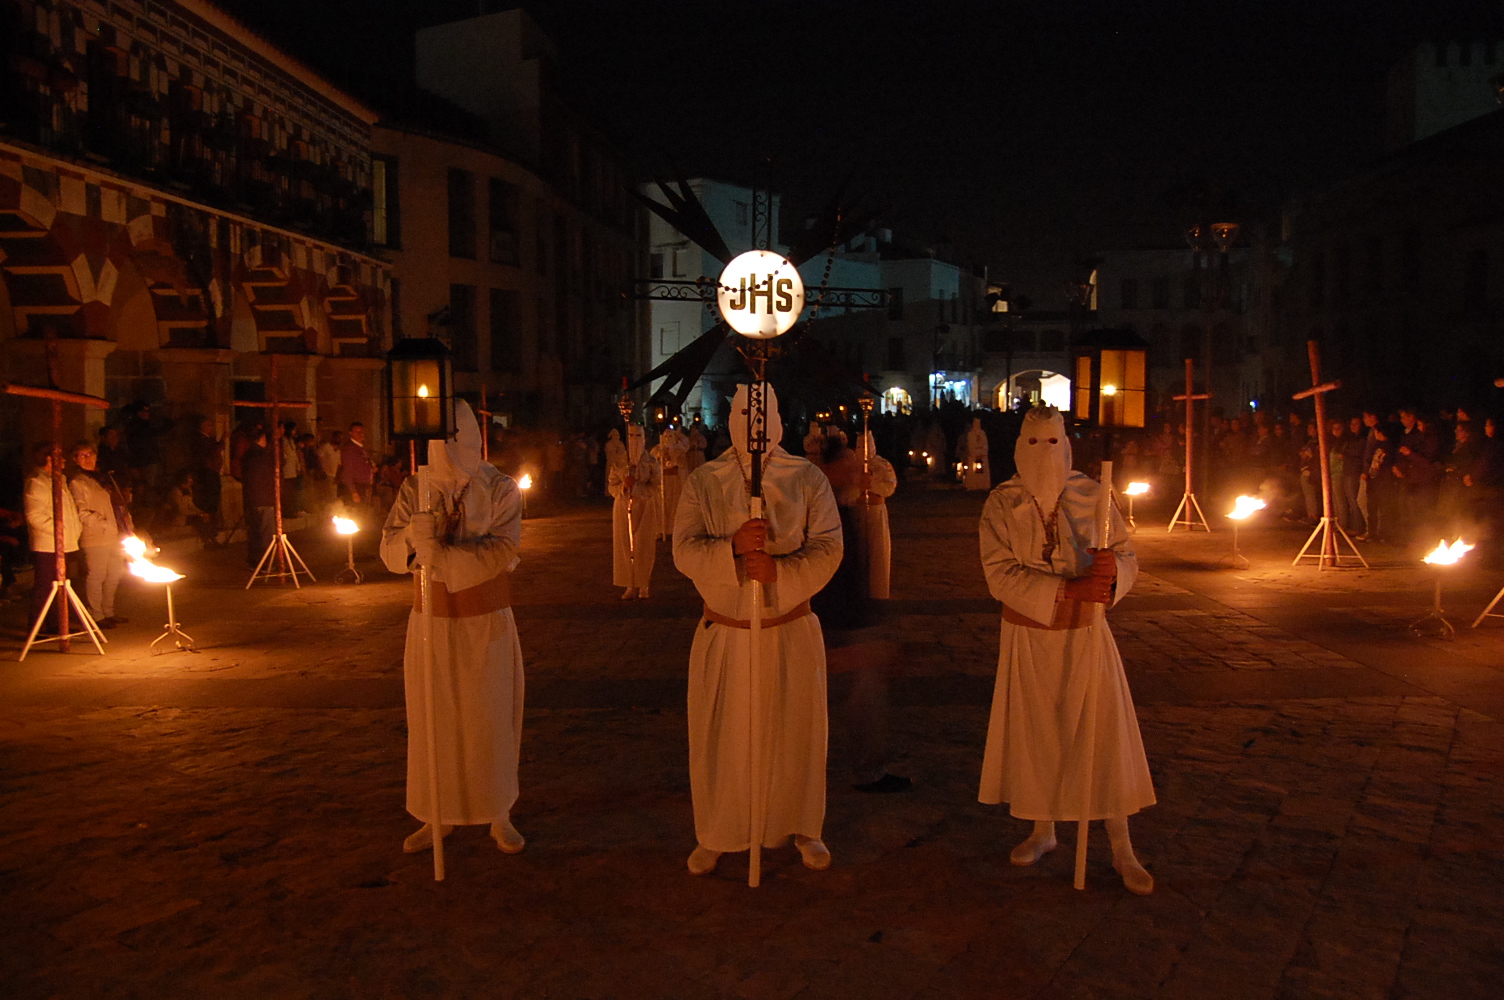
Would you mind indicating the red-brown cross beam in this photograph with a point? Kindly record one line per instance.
(58, 397)
(1189, 397)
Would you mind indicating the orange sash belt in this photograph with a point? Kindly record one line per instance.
(793, 614)
(481, 599)
(1069, 614)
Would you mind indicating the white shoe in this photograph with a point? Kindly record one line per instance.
(629, 594)
(1135, 879)
(422, 840)
(1031, 850)
(506, 836)
(815, 854)
(702, 860)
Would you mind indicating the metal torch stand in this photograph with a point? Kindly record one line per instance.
(62, 591)
(1434, 624)
(1235, 559)
(1489, 611)
(181, 639)
(349, 574)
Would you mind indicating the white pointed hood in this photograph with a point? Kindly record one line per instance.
(738, 420)
(1043, 454)
(636, 441)
(453, 462)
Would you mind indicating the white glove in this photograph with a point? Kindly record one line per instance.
(421, 534)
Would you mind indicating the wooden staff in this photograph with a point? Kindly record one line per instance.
(1103, 530)
(626, 406)
(757, 446)
(425, 641)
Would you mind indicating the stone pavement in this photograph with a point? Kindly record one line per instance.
(1331, 795)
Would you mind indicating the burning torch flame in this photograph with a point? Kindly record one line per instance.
(345, 526)
(526, 482)
(1245, 506)
(1137, 489)
(422, 392)
(1446, 555)
(143, 567)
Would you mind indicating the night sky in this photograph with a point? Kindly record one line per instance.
(1025, 134)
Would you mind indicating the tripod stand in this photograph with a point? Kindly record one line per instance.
(287, 564)
(90, 628)
(183, 640)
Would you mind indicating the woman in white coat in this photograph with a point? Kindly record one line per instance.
(882, 483)
(469, 537)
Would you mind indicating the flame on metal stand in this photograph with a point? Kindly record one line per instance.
(1136, 489)
(526, 482)
(345, 526)
(1243, 507)
(1446, 555)
(143, 567)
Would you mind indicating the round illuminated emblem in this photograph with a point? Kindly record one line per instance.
(760, 294)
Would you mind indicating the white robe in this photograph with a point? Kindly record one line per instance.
(478, 683)
(804, 537)
(694, 455)
(646, 514)
(1037, 738)
(874, 522)
(976, 474)
(670, 452)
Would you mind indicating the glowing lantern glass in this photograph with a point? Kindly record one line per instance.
(760, 294)
(1111, 369)
(420, 389)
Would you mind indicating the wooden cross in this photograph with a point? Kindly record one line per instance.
(285, 553)
(484, 413)
(1327, 528)
(1188, 503)
(62, 589)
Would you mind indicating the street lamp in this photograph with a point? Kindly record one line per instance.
(1204, 237)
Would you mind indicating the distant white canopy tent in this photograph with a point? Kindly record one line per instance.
(1034, 387)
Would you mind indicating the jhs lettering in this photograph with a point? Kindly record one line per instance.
(777, 294)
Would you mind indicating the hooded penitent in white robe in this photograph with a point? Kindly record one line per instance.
(804, 538)
(975, 473)
(616, 452)
(477, 661)
(1038, 744)
(874, 518)
(670, 452)
(694, 455)
(814, 442)
(632, 563)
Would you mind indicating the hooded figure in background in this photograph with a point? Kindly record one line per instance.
(469, 537)
(1063, 734)
(670, 453)
(616, 452)
(793, 551)
(637, 477)
(882, 482)
(975, 473)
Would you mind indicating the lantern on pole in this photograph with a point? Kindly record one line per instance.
(1110, 369)
(420, 407)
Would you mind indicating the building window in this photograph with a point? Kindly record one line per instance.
(461, 214)
(680, 256)
(1475, 281)
(386, 214)
(1129, 293)
(668, 338)
(741, 213)
(506, 333)
(1052, 341)
(895, 303)
(655, 265)
(462, 328)
(896, 361)
(1193, 290)
(541, 250)
(1374, 267)
(1161, 293)
(396, 303)
(502, 212)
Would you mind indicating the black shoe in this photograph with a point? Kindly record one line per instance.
(105, 622)
(120, 619)
(886, 784)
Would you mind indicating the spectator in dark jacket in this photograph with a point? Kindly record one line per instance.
(258, 477)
